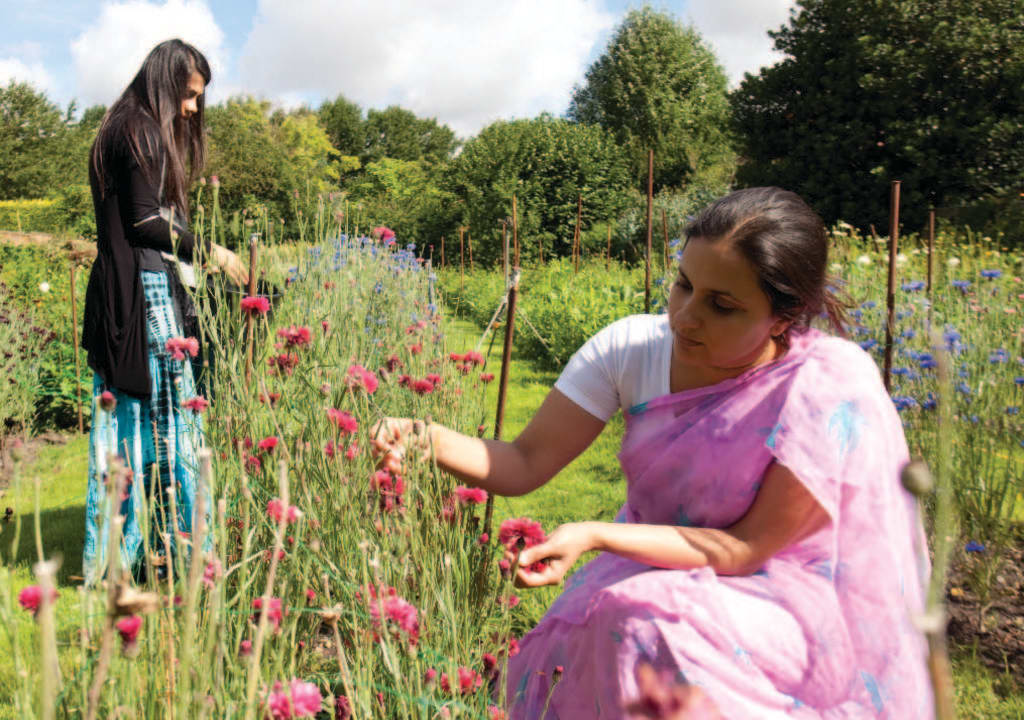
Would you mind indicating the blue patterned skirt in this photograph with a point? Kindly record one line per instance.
(158, 439)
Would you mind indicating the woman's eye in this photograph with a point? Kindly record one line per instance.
(721, 309)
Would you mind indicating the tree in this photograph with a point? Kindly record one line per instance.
(547, 163)
(31, 132)
(399, 134)
(929, 92)
(658, 86)
(343, 121)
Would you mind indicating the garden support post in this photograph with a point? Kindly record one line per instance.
(650, 211)
(462, 258)
(890, 294)
(442, 251)
(506, 358)
(469, 244)
(74, 342)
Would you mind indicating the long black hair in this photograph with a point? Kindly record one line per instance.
(155, 95)
(787, 244)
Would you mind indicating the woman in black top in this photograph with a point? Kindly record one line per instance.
(149, 148)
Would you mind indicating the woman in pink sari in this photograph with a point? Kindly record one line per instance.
(766, 553)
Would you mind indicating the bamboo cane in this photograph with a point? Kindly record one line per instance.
(506, 358)
(890, 295)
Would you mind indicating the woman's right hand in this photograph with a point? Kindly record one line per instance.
(230, 263)
(393, 439)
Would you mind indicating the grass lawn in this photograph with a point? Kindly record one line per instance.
(590, 488)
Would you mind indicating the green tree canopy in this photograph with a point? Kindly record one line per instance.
(658, 86)
(546, 162)
(31, 136)
(929, 92)
(343, 121)
(399, 134)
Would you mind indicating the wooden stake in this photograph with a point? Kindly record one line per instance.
(576, 235)
(74, 342)
(931, 247)
(608, 256)
(250, 326)
(650, 211)
(664, 227)
(506, 359)
(515, 232)
(890, 295)
(442, 251)
(462, 257)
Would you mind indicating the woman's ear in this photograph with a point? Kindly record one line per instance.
(780, 327)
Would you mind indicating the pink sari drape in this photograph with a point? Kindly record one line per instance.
(823, 629)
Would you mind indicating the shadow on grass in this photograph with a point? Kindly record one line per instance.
(63, 531)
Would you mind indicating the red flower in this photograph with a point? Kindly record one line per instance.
(32, 596)
(128, 629)
(514, 529)
(468, 495)
(107, 401)
(358, 376)
(434, 378)
(473, 358)
(295, 336)
(325, 326)
(352, 451)
(390, 488)
(284, 361)
(277, 512)
(455, 357)
(416, 349)
(197, 404)
(245, 648)
(274, 611)
(343, 420)
(179, 346)
(256, 305)
(422, 387)
(213, 571)
(268, 444)
(469, 681)
(404, 381)
(399, 614)
(393, 363)
(486, 377)
(269, 398)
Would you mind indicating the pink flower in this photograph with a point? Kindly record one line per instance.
(429, 676)
(473, 358)
(284, 361)
(342, 708)
(325, 326)
(344, 420)
(486, 377)
(468, 495)
(276, 511)
(256, 305)
(434, 378)
(310, 595)
(245, 648)
(483, 539)
(268, 444)
(384, 233)
(390, 488)
(352, 451)
(525, 529)
(295, 336)
(179, 346)
(358, 376)
(197, 404)
(416, 348)
(393, 363)
(422, 387)
(469, 681)
(274, 611)
(399, 614)
(455, 357)
(32, 596)
(213, 571)
(107, 401)
(301, 699)
(128, 629)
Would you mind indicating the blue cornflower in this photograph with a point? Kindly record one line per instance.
(378, 288)
(974, 419)
(974, 547)
(998, 356)
(410, 246)
(1012, 410)
(868, 305)
(930, 402)
(991, 274)
(673, 243)
(862, 331)
(658, 282)
(961, 285)
(913, 286)
(1019, 380)
(432, 308)
(868, 344)
(904, 402)
(926, 361)
(901, 372)
(857, 314)
(909, 333)
(964, 388)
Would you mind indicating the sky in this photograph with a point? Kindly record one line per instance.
(465, 62)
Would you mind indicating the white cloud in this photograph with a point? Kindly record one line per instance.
(33, 73)
(465, 62)
(737, 31)
(108, 53)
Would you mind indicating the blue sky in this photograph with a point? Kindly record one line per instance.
(466, 62)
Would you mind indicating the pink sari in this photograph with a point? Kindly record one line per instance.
(823, 629)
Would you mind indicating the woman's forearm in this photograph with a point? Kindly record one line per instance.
(680, 548)
(496, 466)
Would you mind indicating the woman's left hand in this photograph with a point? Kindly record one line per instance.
(558, 553)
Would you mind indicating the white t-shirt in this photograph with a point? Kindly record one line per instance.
(623, 365)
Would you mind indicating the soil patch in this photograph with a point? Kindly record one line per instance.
(985, 603)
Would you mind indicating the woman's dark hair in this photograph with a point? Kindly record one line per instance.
(155, 95)
(786, 242)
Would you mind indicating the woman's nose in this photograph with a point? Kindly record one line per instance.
(685, 315)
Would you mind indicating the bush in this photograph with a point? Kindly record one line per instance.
(43, 215)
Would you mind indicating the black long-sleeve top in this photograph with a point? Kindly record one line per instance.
(132, 231)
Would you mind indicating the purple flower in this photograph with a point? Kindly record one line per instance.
(974, 546)
(913, 286)
(991, 274)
